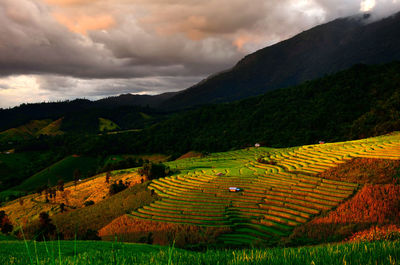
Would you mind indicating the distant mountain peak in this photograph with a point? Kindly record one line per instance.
(322, 50)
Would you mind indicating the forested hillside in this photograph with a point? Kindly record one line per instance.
(360, 102)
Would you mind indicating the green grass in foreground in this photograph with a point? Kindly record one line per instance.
(89, 252)
(7, 237)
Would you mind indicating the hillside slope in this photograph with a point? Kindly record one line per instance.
(79, 115)
(360, 102)
(24, 132)
(322, 50)
(63, 169)
(279, 189)
(95, 189)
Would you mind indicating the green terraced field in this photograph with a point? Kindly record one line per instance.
(273, 198)
(107, 125)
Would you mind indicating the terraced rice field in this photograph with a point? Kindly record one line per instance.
(273, 198)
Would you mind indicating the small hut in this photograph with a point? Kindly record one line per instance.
(234, 189)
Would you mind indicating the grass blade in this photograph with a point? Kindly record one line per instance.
(26, 245)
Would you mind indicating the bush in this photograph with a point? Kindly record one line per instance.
(265, 161)
(91, 235)
(46, 229)
(88, 203)
(154, 171)
(5, 223)
(117, 187)
(375, 233)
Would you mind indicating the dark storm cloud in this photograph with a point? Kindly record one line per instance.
(101, 47)
(34, 42)
(150, 38)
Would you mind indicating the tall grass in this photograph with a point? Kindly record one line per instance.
(89, 252)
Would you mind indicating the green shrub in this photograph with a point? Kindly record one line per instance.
(88, 203)
(117, 187)
(154, 171)
(91, 235)
(5, 223)
(46, 229)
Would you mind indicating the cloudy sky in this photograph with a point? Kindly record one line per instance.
(63, 49)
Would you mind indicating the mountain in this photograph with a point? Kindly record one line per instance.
(355, 103)
(129, 111)
(322, 50)
(136, 100)
(359, 102)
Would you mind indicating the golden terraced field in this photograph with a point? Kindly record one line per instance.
(276, 194)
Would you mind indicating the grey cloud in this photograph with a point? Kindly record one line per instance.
(37, 44)
(155, 45)
(71, 87)
(165, 38)
(4, 86)
(56, 83)
(344, 8)
(385, 8)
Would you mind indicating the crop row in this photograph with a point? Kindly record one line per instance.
(274, 196)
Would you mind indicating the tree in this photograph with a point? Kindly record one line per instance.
(52, 193)
(91, 235)
(88, 203)
(77, 175)
(5, 223)
(65, 195)
(46, 228)
(153, 171)
(40, 189)
(117, 187)
(60, 185)
(108, 175)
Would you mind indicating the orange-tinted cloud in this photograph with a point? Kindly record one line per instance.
(83, 23)
(241, 40)
(70, 2)
(245, 41)
(192, 26)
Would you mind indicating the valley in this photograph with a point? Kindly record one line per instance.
(199, 132)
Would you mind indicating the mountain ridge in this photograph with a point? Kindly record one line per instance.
(321, 50)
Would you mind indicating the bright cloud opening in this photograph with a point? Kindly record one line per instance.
(367, 5)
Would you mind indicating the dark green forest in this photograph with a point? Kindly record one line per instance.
(360, 102)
